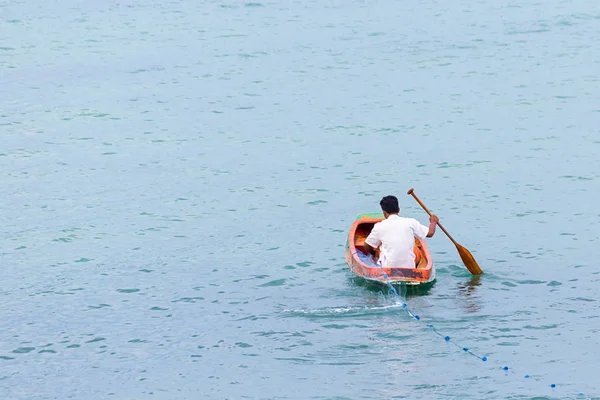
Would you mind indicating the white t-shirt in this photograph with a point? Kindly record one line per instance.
(397, 238)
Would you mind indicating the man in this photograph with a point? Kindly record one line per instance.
(396, 235)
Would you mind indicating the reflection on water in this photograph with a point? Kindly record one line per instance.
(468, 297)
(405, 291)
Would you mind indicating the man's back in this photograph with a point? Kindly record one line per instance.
(397, 238)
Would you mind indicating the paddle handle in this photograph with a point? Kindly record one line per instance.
(412, 193)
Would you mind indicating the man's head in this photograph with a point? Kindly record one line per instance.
(389, 205)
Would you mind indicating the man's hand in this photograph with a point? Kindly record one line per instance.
(370, 250)
(433, 219)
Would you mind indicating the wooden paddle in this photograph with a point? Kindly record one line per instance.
(465, 254)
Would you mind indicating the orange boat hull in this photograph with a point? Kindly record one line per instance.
(361, 265)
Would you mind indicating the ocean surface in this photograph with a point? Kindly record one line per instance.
(177, 180)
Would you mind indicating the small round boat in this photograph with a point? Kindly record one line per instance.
(363, 265)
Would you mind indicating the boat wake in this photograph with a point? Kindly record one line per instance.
(345, 311)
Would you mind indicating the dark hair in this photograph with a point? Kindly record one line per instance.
(389, 204)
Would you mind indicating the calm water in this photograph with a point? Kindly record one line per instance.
(178, 178)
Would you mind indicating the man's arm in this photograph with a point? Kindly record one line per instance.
(433, 220)
(372, 241)
(369, 249)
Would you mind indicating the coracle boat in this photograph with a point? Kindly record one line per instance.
(363, 265)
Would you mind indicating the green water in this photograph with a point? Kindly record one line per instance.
(178, 180)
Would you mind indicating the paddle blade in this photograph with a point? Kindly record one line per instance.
(468, 260)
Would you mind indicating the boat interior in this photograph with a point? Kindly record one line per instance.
(362, 232)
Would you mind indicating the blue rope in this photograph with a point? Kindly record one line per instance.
(447, 338)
